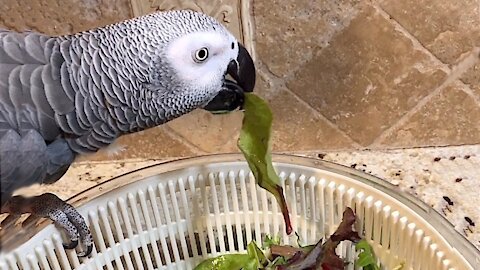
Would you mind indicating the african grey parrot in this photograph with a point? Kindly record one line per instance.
(64, 96)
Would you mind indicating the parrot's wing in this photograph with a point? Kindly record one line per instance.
(9, 145)
(30, 91)
(34, 91)
(31, 88)
(27, 159)
(21, 166)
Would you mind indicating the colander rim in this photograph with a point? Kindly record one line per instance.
(452, 237)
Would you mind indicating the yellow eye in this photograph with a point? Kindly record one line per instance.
(201, 55)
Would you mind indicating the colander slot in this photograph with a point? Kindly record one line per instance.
(145, 261)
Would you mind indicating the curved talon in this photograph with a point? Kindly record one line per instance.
(87, 253)
(72, 245)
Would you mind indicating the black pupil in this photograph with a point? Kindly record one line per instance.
(202, 53)
(233, 45)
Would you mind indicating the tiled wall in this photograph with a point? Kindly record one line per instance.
(338, 74)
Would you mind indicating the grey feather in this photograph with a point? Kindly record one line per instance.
(74, 125)
(65, 81)
(62, 123)
(34, 45)
(47, 127)
(12, 48)
(56, 96)
(90, 111)
(83, 120)
(93, 141)
(38, 94)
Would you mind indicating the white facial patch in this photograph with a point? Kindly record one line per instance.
(181, 55)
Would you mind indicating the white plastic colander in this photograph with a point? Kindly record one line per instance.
(174, 215)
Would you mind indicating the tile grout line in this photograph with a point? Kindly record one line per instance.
(467, 90)
(317, 113)
(279, 83)
(454, 75)
(389, 149)
(415, 42)
(282, 82)
(475, 58)
(290, 75)
(175, 135)
(321, 116)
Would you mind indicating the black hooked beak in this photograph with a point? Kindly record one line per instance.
(232, 96)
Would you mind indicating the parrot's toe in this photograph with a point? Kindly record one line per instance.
(71, 245)
(87, 252)
(67, 217)
(61, 213)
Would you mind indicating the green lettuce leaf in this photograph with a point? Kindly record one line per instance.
(254, 142)
(366, 257)
(253, 260)
(227, 261)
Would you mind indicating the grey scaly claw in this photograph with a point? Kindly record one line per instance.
(85, 235)
(66, 216)
(61, 213)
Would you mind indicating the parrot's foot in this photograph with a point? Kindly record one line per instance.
(61, 213)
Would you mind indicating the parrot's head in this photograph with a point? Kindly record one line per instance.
(199, 61)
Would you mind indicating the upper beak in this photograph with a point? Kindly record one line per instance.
(232, 96)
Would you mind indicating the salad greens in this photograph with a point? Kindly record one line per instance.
(323, 254)
(254, 142)
(253, 260)
(319, 256)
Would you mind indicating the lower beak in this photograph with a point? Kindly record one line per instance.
(232, 96)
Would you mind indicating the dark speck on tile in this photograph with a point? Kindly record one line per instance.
(459, 179)
(466, 157)
(452, 158)
(470, 221)
(353, 165)
(437, 159)
(448, 200)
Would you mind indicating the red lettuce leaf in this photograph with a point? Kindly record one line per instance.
(323, 256)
